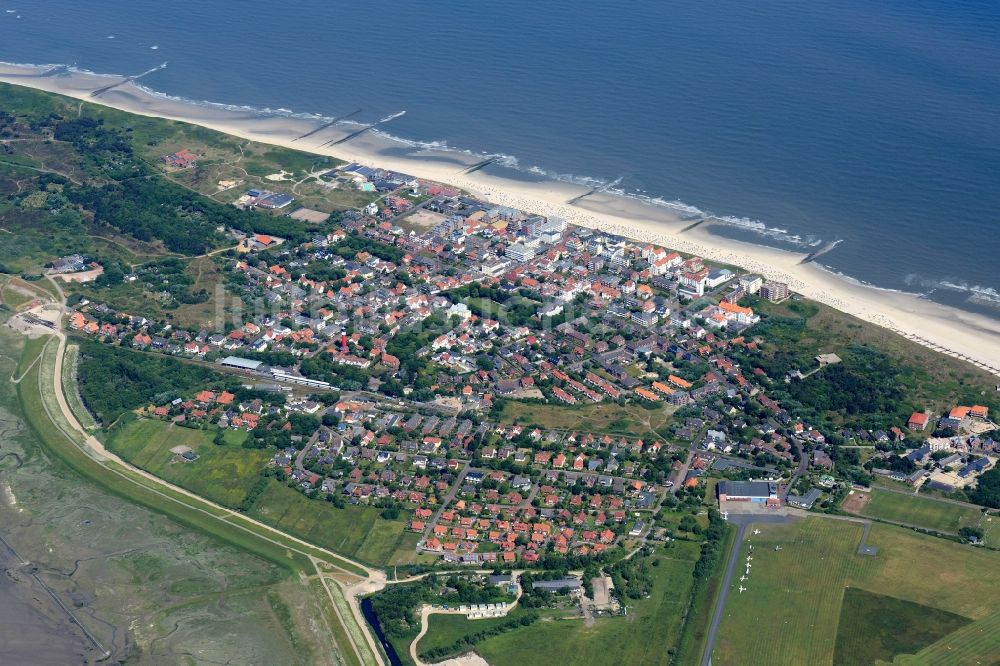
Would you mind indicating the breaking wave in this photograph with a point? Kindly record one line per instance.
(685, 211)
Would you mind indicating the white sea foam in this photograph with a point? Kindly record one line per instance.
(863, 283)
(684, 210)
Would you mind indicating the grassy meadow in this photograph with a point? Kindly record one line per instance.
(646, 635)
(792, 609)
(920, 511)
(878, 627)
(356, 530)
(223, 474)
(972, 645)
(606, 417)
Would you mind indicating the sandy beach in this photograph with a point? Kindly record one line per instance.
(967, 335)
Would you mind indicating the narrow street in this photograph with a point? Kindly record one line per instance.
(448, 499)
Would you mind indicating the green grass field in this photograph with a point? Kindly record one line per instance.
(223, 474)
(695, 633)
(651, 628)
(76, 405)
(632, 420)
(972, 645)
(443, 631)
(793, 603)
(356, 531)
(406, 551)
(877, 627)
(920, 511)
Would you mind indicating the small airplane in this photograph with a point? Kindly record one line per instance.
(742, 589)
(743, 579)
(756, 532)
(777, 548)
(749, 559)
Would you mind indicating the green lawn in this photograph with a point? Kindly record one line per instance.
(921, 511)
(972, 645)
(793, 603)
(76, 405)
(605, 417)
(223, 474)
(406, 551)
(356, 530)
(651, 628)
(695, 634)
(443, 631)
(878, 627)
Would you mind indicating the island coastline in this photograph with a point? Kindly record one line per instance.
(967, 335)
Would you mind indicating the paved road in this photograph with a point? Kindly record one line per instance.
(305, 450)
(800, 471)
(742, 522)
(448, 499)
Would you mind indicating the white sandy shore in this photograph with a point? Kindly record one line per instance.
(963, 334)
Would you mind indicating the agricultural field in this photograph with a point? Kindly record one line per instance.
(920, 511)
(628, 420)
(223, 474)
(793, 609)
(646, 635)
(356, 531)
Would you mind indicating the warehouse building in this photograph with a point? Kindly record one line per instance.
(753, 492)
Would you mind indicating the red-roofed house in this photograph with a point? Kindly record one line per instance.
(918, 421)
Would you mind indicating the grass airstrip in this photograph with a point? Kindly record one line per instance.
(809, 593)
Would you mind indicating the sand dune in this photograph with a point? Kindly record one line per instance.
(967, 335)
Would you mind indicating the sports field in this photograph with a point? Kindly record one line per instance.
(791, 609)
(920, 511)
(223, 474)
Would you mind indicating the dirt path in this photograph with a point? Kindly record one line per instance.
(40, 170)
(427, 610)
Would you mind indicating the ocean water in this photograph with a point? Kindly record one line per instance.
(802, 123)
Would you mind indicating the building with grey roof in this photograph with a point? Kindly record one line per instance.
(747, 491)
